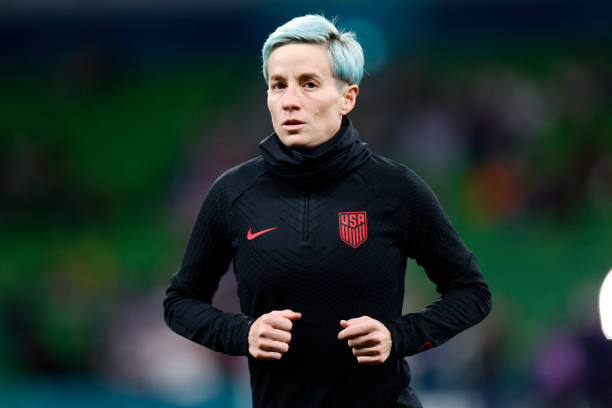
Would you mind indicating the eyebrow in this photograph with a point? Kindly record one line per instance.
(305, 75)
(276, 77)
(309, 75)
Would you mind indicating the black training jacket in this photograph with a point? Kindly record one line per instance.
(326, 233)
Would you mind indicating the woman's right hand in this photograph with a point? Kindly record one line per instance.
(270, 334)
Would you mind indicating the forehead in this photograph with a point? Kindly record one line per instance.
(296, 59)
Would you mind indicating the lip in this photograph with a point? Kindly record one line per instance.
(293, 124)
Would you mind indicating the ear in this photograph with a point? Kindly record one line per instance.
(349, 98)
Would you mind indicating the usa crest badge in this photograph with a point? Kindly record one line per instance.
(353, 227)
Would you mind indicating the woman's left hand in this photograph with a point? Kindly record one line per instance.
(370, 339)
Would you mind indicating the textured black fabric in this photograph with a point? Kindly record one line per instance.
(325, 163)
(306, 265)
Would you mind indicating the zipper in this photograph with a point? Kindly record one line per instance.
(305, 233)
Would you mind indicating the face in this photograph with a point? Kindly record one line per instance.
(305, 101)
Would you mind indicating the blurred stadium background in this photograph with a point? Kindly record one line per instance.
(116, 116)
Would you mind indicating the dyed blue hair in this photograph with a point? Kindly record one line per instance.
(344, 52)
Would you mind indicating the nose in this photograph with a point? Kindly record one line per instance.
(290, 99)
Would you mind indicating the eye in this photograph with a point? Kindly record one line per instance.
(276, 85)
(310, 84)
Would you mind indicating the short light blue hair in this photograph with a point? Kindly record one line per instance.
(344, 52)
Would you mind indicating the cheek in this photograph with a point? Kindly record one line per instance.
(324, 108)
(271, 108)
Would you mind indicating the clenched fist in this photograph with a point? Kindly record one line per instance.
(270, 334)
(370, 339)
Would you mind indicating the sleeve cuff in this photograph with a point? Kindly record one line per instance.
(244, 336)
(396, 340)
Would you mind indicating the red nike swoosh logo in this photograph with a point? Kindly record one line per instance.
(251, 236)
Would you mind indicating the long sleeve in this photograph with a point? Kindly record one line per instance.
(187, 306)
(465, 298)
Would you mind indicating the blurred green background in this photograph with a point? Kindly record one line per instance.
(115, 120)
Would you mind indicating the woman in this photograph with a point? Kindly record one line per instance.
(319, 229)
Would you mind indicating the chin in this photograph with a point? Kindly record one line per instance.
(295, 140)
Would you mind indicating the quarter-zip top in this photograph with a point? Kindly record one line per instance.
(305, 233)
(322, 271)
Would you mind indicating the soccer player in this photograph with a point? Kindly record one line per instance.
(319, 229)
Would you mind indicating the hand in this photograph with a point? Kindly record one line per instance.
(370, 339)
(269, 335)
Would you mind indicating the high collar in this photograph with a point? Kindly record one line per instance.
(341, 154)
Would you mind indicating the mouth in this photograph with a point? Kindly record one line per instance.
(293, 124)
